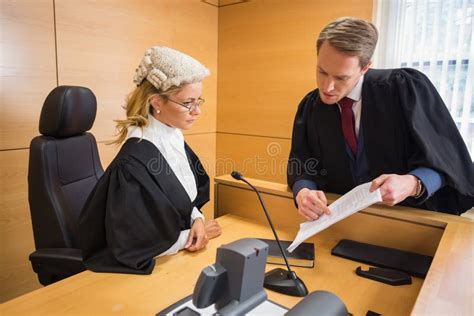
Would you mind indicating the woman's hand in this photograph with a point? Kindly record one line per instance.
(212, 229)
(197, 236)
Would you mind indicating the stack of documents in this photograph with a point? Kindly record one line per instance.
(353, 201)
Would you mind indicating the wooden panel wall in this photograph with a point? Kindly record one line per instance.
(255, 156)
(99, 45)
(27, 68)
(27, 74)
(16, 235)
(267, 58)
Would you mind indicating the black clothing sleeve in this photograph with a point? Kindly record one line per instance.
(201, 176)
(303, 161)
(437, 143)
(137, 210)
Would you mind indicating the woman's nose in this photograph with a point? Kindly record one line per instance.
(196, 110)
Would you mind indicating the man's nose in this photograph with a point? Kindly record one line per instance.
(328, 85)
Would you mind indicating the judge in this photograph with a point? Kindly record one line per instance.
(148, 202)
(389, 127)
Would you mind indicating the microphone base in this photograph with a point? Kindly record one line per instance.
(284, 282)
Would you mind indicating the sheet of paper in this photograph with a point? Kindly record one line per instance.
(353, 201)
(266, 308)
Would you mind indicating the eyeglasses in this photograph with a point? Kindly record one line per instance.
(191, 105)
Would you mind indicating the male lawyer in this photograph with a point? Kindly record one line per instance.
(390, 127)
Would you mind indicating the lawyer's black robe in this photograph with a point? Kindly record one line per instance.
(137, 210)
(405, 125)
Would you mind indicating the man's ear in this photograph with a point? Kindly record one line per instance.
(366, 68)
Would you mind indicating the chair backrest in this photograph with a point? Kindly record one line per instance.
(64, 166)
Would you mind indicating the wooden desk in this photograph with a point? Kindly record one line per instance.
(448, 288)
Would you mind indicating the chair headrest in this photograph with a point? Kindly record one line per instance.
(68, 111)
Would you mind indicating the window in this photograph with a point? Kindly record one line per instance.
(435, 37)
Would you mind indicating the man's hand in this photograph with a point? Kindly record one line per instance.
(395, 188)
(197, 236)
(212, 229)
(312, 204)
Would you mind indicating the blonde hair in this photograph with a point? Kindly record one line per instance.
(138, 108)
(352, 36)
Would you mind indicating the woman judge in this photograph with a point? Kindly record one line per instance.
(147, 203)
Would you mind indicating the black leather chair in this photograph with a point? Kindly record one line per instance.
(63, 169)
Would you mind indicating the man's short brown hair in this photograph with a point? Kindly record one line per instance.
(352, 36)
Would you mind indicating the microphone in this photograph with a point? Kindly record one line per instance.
(279, 280)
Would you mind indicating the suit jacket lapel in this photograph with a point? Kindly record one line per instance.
(327, 120)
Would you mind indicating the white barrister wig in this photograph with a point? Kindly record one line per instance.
(164, 67)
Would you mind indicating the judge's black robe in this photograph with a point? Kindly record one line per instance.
(405, 125)
(137, 210)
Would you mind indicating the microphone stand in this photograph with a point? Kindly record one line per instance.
(278, 280)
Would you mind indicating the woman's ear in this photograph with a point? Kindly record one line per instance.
(156, 102)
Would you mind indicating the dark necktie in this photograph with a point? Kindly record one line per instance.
(348, 123)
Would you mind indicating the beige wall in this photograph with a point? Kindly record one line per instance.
(267, 61)
(99, 45)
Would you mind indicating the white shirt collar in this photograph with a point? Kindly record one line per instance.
(155, 129)
(356, 92)
(160, 133)
(161, 127)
